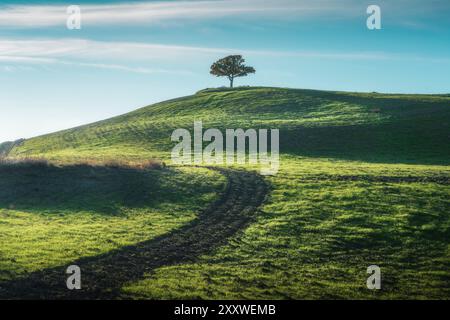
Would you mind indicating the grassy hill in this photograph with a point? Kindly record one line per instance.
(368, 127)
(364, 180)
(6, 147)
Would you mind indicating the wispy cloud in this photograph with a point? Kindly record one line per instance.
(24, 59)
(124, 68)
(154, 12)
(29, 16)
(118, 56)
(19, 65)
(91, 51)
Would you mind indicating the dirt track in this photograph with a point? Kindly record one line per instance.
(103, 276)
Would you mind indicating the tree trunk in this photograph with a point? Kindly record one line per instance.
(231, 82)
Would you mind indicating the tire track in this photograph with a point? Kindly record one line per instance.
(103, 276)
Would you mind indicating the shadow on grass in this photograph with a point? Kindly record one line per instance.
(407, 142)
(43, 188)
(103, 276)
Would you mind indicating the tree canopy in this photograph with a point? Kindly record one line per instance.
(232, 67)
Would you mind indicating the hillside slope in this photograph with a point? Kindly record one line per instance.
(364, 180)
(6, 147)
(357, 126)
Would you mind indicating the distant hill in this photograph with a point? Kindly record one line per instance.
(7, 146)
(370, 127)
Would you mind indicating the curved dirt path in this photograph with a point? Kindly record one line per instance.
(103, 276)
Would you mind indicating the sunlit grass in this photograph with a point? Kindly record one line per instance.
(52, 215)
(363, 180)
(317, 237)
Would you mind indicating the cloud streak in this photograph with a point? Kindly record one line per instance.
(146, 12)
(117, 56)
(30, 16)
(49, 50)
(142, 58)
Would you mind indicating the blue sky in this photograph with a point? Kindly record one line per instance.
(131, 54)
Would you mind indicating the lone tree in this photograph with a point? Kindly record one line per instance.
(231, 67)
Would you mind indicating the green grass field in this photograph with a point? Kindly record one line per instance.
(364, 179)
(57, 214)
